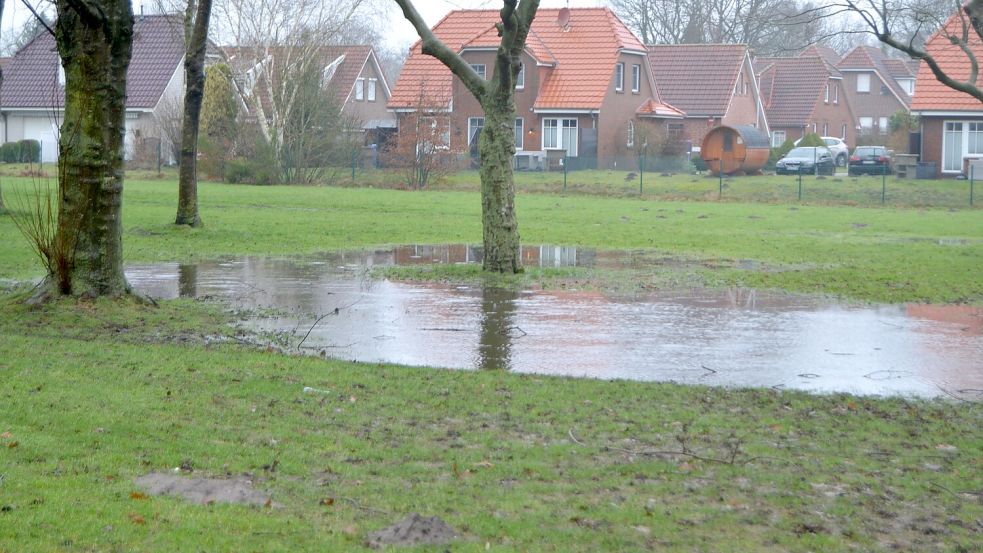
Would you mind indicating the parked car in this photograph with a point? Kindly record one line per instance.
(870, 160)
(806, 160)
(836, 145)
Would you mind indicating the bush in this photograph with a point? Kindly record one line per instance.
(256, 166)
(10, 152)
(811, 139)
(22, 151)
(781, 151)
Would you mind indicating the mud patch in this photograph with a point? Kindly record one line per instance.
(203, 490)
(414, 530)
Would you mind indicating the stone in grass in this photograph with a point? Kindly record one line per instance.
(414, 530)
(203, 490)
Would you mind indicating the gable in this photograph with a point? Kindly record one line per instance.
(932, 95)
(697, 78)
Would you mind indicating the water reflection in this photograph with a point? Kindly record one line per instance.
(498, 307)
(734, 337)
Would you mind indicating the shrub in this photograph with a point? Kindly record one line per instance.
(781, 151)
(811, 139)
(30, 151)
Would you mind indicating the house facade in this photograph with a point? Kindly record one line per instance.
(584, 91)
(714, 84)
(33, 91)
(877, 88)
(351, 74)
(804, 95)
(951, 121)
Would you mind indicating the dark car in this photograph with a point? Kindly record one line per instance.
(807, 160)
(870, 160)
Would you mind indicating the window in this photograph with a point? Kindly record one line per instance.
(636, 78)
(371, 90)
(843, 131)
(479, 68)
(866, 124)
(825, 129)
(475, 124)
(675, 131)
(826, 94)
(975, 142)
(359, 89)
(631, 134)
(908, 85)
(863, 82)
(619, 77)
(882, 125)
(520, 79)
(61, 75)
(560, 134)
(435, 131)
(744, 88)
(519, 129)
(815, 126)
(836, 93)
(952, 147)
(777, 138)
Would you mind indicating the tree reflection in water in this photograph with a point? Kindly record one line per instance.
(498, 308)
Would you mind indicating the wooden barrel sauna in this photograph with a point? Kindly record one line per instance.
(738, 149)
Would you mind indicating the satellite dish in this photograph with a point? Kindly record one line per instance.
(563, 18)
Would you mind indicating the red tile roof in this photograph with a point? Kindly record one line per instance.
(652, 108)
(30, 80)
(583, 55)
(930, 94)
(697, 78)
(791, 88)
(831, 56)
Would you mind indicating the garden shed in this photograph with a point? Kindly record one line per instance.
(735, 149)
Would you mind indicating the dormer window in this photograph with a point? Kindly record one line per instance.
(863, 82)
(619, 77)
(636, 78)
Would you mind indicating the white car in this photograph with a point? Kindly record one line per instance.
(841, 152)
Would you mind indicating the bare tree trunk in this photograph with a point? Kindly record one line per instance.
(95, 43)
(196, 43)
(496, 146)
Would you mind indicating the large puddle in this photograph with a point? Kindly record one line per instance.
(735, 337)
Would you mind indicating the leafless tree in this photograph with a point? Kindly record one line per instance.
(769, 27)
(903, 24)
(277, 40)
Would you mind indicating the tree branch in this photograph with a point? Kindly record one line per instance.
(432, 46)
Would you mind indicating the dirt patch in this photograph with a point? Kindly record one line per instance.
(414, 530)
(203, 490)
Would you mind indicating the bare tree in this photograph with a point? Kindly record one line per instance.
(424, 148)
(903, 24)
(196, 17)
(768, 26)
(496, 145)
(278, 40)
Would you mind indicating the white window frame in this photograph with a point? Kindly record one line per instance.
(826, 129)
(970, 144)
(863, 82)
(473, 124)
(619, 77)
(843, 132)
(370, 92)
(778, 138)
(883, 124)
(826, 94)
(869, 126)
(520, 78)
(520, 136)
(836, 93)
(630, 142)
(636, 78)
(481, 69)
(560, 128)
(359, 90)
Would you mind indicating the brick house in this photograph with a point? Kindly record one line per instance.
(32, 96)
(803, 95)
(951, 121)
(877, 87)
(713, 83)
(584, 86)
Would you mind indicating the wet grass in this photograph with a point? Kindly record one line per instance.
(95, 394)
(868, 254)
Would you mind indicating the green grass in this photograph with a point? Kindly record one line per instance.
(95, 394)
(869, 254)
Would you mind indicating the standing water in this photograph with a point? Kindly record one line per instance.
(731, 337)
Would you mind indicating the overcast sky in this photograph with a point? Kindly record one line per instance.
(401, 35)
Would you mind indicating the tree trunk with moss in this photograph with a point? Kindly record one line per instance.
(496, 146)
(196, 42)
(94, 42)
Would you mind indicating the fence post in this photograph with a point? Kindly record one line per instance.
(565, 159)
(883, 184)
(353, 165)
(971, 182)
(800, 182)
(641, 173)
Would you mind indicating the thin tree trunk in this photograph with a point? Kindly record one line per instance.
(95, 43)
(194, 76)
(1, 84)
